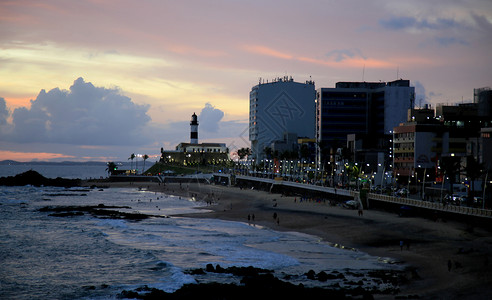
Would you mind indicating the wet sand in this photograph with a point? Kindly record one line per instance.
(431, 244)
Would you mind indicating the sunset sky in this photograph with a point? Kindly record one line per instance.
(99, 80)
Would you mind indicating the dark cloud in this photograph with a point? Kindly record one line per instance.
(398, 23)
(483, 23)
(404, 22)
(210, 117)
(4, 112)
(342, 54)
(448, 41)
(88, 121)
(83, 115)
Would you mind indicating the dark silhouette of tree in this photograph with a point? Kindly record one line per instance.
(111, 167)
(243, 152)
(452, 167)
(132, 157)
(144, 157)
(304, 152)
(268, 152)
(473, 170)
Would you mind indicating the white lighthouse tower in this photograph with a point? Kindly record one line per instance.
(194, 129)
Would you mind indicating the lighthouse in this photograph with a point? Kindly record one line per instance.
(194, 129)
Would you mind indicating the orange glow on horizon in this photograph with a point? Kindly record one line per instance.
(30, 156)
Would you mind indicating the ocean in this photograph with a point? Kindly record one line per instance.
(94, 257)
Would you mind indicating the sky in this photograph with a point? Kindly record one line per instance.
(99, 80)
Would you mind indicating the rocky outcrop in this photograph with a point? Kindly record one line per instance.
(34, 178)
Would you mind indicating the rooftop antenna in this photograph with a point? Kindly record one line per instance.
(363, 72)
(397, 72)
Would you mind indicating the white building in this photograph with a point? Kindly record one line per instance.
(203, 147)
(278, 107)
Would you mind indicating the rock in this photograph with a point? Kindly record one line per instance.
(34, 178)
(311, 275)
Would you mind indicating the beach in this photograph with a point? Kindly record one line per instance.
(445, 259)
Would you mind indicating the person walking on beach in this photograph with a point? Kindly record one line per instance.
(401, 245)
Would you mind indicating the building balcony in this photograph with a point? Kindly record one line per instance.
(457, 150)
(402, 172)
(404, 140)
(404, 150)
(404, 159)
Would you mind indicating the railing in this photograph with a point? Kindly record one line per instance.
(433, 205)
(403, 201)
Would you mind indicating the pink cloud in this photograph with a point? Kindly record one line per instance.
(263, 50)
(355, 62)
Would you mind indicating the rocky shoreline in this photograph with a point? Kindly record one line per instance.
(258, 283)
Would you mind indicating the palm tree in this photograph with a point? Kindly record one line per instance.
(111, 167)
(452, 167)
(132, 157)
(473, 170)
(243, 152)
(144, 157)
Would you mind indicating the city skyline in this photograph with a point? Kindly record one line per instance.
(66, 64)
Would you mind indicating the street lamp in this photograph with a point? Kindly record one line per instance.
(423, 185)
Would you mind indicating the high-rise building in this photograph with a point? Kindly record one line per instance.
(369, 108)
(280, 107)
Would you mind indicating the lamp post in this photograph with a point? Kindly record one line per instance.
(484, 187)
(423, 185)
(442, 183)
(382, 178)
(408, 184)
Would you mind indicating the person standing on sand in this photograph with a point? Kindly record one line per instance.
(401, 245)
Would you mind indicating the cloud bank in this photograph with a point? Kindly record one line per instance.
(83, 115)
(4, 112)
(210, 117)
(88, 122)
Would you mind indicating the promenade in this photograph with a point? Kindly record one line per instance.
(371, 197)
